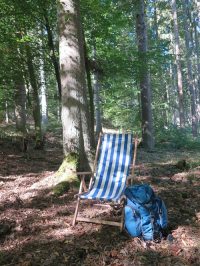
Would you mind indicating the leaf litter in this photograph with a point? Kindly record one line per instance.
(35, 226)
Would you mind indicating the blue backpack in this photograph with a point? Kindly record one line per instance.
(145, 213)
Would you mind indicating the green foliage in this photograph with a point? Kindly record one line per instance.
(177, 138)
(109, 28)
(120, 103)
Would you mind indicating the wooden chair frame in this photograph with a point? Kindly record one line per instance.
(83, 189)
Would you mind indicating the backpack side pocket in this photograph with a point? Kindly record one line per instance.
(132, 222)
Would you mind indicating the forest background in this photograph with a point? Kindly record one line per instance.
(88, 65)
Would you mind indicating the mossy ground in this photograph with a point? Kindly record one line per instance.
(66, 175)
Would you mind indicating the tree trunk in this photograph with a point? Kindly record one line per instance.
(144, 79)
(197, 47)
(88, 134)
(75, 116)
(90, 89)
(43, 97)
(188, 42)
(43, 89)
(36, 101)
(6, 113)
(178, 63)
(163, 83)
(20, 108)
(155, 20)
(96, 87)
(53, 53)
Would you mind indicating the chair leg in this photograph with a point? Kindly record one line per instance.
(78, 202)
(76, 212)
(122, 218)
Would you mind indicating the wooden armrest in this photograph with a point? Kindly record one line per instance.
(79, 194)
(84, 173)
(130, 177)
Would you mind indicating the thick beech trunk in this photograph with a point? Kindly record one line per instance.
(178, 63)
(144, 79)
(75, 115)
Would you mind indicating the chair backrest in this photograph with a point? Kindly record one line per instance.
(113, 167)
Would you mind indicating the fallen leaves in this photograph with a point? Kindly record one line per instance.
(40, 231)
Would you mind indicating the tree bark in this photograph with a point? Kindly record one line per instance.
(43, 89)
(20, 108)
(90, 89)
(6, 113)
(155, 19)
(43, 97)
(197, 47)
(75, 115)
(96, 87)
(88, 134)
(178, 63)
(144, 79)
(36, 101)
(188, 42)
(54, 59)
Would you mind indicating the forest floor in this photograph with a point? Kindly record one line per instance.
(35, 225)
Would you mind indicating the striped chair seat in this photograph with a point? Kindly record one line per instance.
(113, 167)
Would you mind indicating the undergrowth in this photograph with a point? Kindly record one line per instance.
(177, 138)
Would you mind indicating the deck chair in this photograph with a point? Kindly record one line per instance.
(115, 155)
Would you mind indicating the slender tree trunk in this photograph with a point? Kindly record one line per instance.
(188, 42)
(155, 20)
(164, 84)
(54, 59)
(20, 108)
(36, 101)
(6, 113)
(96, 87)
(43, 98)
(75, 116)
(90, 89)
(43, 89)
(197, 47)
(178, 63)
(198, 59)
(88, 133)
(147, 121)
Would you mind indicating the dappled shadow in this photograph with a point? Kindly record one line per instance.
(13, 162)
(90, 245)
(46, 238)
(39, 230)
(6, 179)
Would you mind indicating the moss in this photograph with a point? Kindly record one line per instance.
(61, 188)
(69, 163)
(182, 165)
(66, 175)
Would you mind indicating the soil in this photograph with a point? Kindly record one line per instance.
(35, 225)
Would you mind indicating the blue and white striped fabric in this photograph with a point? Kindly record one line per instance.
(113, 167)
